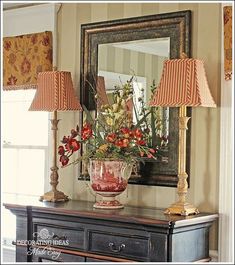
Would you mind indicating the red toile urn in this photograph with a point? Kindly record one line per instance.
(109, 178)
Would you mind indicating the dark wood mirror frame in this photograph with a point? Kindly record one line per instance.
(176, 26)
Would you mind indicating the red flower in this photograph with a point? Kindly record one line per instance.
(65, 140)
(61, 150)
(25, 66)
(122, 142)
(152, 150)
(72, 145)
(126, 132)
(86, 131)
(125, 143)
(64, 160)
(11, 80)
(12, 58)
(226, 16)
(111, 137)
(140, 142)
(35, 48)
(150, 156)
(74, 133)
(7, 45)
(138, 133)
(34, 38)
(39, 69)
(49, 55)
(45, 41)
(118, 143)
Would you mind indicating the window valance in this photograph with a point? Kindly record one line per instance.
(24, 57)
(228, 42)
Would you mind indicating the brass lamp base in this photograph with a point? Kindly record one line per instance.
(180, 208)
(54, 196)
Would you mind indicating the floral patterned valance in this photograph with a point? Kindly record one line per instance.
(24, 57)
(228, 42)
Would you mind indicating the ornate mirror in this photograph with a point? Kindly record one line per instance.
(118, 49)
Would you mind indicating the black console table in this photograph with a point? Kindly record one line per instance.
(76, 232)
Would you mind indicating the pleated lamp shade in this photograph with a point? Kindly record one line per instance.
(55, 92)
(183, 83)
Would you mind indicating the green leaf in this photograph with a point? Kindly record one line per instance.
(88, 115)
(153, 128)
(143, 119)
(136, 114)
(90, 119)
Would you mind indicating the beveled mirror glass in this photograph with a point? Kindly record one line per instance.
(120, 48)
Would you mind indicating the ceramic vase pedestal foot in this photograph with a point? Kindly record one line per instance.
(108, 203)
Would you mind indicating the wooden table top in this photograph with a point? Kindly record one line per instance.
(144, 215)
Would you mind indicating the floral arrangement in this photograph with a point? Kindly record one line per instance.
(112, 134)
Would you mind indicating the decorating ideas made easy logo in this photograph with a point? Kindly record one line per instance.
(44, 243)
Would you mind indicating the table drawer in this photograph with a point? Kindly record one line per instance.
(127, 246)
(59, 236)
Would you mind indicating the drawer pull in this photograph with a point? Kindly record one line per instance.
(59, 237)
(116, 249)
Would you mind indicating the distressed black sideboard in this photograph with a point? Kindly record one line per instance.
(85, 234)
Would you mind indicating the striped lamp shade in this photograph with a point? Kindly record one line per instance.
(183, 83)
(55, 92)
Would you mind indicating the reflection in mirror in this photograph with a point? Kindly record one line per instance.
(142, 60)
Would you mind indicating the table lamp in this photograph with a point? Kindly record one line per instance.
(183, 84)
(54, 93)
